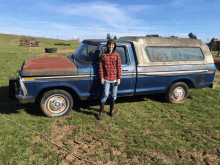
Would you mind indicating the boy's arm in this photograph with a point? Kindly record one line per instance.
(118, 66)
(101, 70)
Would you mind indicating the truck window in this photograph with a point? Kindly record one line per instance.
(119, 50)
(174, 54)
(85, 52)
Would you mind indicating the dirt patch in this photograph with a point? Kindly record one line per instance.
(61, 133)
(99, 150)
(37, 139)
(42, 50)
(65, 51)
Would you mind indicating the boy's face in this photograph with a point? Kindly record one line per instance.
(110, 47)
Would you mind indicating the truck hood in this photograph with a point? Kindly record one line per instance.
(48, 66)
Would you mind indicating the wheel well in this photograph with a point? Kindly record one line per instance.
(188, 82)
(67, 89)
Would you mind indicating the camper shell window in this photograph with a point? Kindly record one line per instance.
(157, 54)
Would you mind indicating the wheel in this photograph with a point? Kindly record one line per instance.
(56, 103)
(177, 93)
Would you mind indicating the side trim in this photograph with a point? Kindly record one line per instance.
(63, 77)
(58, 77)
(172, 73)
(123, 74)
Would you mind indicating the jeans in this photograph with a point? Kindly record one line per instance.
(109, 86)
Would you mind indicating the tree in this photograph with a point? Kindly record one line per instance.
(108, 36)
(115, 38)
(191, 35)
(211, 44)
(153, 35)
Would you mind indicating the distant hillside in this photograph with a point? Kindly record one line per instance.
(8, 37)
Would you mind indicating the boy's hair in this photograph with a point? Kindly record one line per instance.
(110, 41)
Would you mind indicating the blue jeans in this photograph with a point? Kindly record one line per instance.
(109, 86)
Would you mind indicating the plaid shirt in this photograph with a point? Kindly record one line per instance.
(110, 66)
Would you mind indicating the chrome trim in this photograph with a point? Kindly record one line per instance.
(60, 77)
(124, 74)
(172, 73)
(25, 99)
(24, 89)
(56, 77)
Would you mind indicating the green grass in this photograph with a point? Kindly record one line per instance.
(146, 129)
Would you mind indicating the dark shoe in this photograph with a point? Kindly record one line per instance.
(112, 108)
(101, 110)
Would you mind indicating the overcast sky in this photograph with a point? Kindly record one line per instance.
(68, 19)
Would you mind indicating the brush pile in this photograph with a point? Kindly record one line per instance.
(32, 42)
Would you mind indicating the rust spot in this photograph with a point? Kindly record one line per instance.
(49, 66)
(201, 66)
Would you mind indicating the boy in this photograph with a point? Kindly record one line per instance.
(110, 74)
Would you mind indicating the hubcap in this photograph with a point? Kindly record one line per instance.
(179, 93)
(57, 103)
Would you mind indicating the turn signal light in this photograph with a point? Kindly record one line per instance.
(29, 79)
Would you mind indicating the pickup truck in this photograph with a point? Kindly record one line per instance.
(168, 65)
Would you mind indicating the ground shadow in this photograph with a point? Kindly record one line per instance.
(9, 106)
(80, 105)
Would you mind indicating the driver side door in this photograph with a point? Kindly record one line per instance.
(125, 88)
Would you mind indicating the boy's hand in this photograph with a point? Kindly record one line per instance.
(102, 81)
(118, 81)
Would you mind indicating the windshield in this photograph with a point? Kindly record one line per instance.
(85, 52)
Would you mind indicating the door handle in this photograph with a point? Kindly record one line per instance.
(124, 69)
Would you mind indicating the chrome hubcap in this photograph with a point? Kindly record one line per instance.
(57, 103)
(179, 93)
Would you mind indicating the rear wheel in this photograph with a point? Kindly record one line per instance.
(56, 103)
(177, 93)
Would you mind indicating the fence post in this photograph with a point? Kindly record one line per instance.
(30, 46)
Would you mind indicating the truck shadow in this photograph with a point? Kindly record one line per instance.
(8, 106)
(88, 104)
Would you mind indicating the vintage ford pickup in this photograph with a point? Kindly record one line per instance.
(166, 65)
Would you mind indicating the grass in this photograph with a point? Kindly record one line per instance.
(146, 129)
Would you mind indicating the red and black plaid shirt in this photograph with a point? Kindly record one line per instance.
(110, 66)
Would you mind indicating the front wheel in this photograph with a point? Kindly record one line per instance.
(177, 93)
(56, 103)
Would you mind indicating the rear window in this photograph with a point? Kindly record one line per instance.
(174, 54)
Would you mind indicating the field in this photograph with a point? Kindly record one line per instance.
(145, 130)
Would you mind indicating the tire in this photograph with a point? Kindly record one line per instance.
(50, 50)
(61, 98)
(177, 93)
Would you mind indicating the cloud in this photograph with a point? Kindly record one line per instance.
(138, 8)
(104, 14)
(61, 26)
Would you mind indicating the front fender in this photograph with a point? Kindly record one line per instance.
(35, 87)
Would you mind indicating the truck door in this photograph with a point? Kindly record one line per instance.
(126, 88)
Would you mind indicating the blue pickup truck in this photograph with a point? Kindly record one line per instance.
(168, 65)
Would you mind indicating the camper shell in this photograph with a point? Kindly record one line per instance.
(140, 43)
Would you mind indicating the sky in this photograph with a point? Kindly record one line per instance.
(69, 19)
